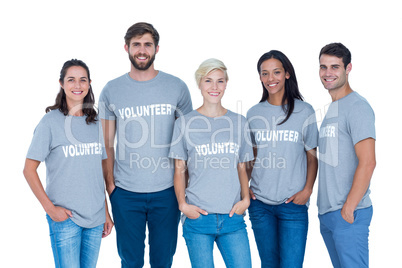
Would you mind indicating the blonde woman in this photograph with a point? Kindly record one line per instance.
(213, 144)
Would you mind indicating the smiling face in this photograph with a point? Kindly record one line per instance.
(213, 86)
(333, 73)
(142, 51)
(75, 85)
(273, 77)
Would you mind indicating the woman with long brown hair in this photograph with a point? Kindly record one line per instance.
(69, 139)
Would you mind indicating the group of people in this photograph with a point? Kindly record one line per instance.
(161, 161)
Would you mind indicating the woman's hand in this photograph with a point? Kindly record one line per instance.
(191, 211)
(252, 196)
(31, 175)
(107, 227)
(59, 214)
(240, 207)
(300, 198)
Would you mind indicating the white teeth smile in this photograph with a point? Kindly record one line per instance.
(329, 80)
(213, 94)
(272, 85)
(77, 92)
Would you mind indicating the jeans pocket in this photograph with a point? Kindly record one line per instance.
(293, 203)
(50, 220)
(342, 220)
(192, 224)
(363, 216)
(199, 217)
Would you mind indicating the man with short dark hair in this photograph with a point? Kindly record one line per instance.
(139, 108)
(346, 163)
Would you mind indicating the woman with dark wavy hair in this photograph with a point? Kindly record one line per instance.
(87, 106)
(69, 139)
(285, 136)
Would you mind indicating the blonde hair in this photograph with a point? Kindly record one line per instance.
(208, 66)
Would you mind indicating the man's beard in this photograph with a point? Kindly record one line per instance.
(142, 66)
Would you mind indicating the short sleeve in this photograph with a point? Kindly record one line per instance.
(184, 105)
(178, 148)
(252, 120)
(246, 149)
(361, 122)
(41, 142)
(105, 107)
(102, 141)
(310, 131)
(252, 138)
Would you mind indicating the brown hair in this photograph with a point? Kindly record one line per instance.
(139, 29)
(89, 100)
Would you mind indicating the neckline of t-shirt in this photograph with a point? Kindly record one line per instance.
(213, 118)
(69, 115)
(74, 116)
(144, 82)
(266, 103)
(79, 118)
(344, 97)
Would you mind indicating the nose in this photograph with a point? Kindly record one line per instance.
(327, 72)
(215, 85)
(270, 77)
(77, 84)
(142, 49)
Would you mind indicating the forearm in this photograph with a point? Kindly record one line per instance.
(249, 168)
(365, 152)
(108, 225)
(250, 164)
(243, 178)
(179, 182)
(244, 203)
(312, 167)
(109, 132)
(106, 207)
(36, 186)
(107, 166)
(361, 182)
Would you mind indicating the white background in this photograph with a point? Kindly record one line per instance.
(37, 37)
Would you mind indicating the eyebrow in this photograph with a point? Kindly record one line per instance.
(207, 77)
(146, 43)
(332, 65)
(273, 69)
(80, 77)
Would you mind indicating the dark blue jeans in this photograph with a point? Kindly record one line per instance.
(280, 233)
(132, 212)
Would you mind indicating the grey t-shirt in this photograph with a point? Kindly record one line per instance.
(212, 148)
(280, 167)
(145, 112)
(348, 121)
(73, 153)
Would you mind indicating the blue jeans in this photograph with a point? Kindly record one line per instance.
(280, 232)
(74, 246)
(132, 212)
(347, 243)
(229, 233)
